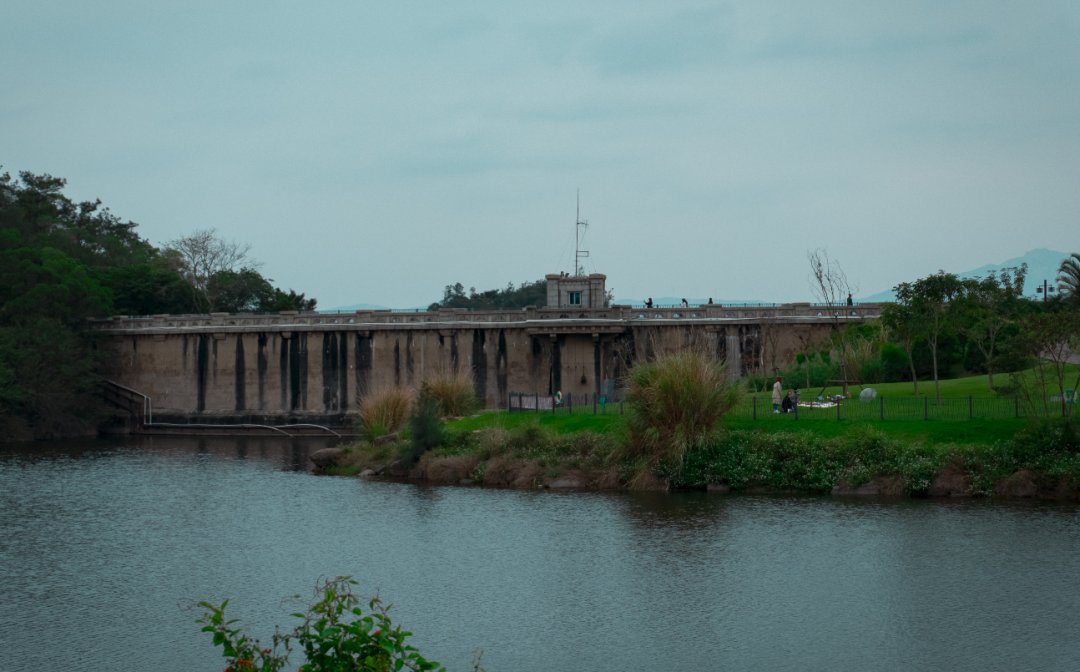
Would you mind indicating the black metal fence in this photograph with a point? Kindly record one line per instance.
(892, 408)
(759, 407)
(594, 404)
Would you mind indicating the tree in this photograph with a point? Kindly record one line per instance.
(925, 307)
(524, 295)
(62, 263)
(830, 286)
(900, 320)
(203, 255)
(247, 291)
(1068, 279)
(986, 308)
(1054, 339)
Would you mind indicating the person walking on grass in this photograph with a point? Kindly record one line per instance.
(777, 392)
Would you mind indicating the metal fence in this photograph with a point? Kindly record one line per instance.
(593, 404)
(759, 407)
(894, 408)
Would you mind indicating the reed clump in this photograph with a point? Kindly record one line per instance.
(384, 412)
(452, 393)
(675, 402)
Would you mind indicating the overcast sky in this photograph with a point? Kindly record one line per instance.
(376, 152)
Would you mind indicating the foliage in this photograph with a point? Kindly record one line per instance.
(524, 295)
(61, 264)
(675, 402)
(54, 258)
(384, 412)
(202, 256)
(1055, 337)
(985, 311)
(925, 309)
(1068, 279)
(336, 634)
(811, 369)
(425, 429)
(453, 394)
(247, 291)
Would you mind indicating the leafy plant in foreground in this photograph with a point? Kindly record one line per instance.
(336, 635)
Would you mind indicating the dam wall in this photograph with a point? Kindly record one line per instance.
(316, 367)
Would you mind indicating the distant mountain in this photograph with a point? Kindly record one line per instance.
(1042, 265)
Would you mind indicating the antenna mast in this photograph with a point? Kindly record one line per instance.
(579, 253)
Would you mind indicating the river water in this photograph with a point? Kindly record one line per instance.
(105, 546)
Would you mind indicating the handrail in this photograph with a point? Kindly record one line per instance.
(456, 318)
(308, 424)
(147, 419)
(215, 426)
(147, 403)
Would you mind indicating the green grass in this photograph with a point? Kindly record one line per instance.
(560, 422)
(930, 432)
(950, 387)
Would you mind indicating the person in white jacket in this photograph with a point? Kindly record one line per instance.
(777, 392)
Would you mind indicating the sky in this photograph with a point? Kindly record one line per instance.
(377, 152)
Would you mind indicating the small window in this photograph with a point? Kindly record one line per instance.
(575, 298)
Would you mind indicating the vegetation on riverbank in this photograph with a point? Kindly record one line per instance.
(63, 262)
(651, 449)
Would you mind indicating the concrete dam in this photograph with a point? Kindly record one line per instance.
(318, 367)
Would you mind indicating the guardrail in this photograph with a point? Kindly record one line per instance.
(288, 320)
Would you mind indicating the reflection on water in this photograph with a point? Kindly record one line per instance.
(105, 545)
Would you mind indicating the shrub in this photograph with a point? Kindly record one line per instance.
(425, 430)
(329, 635)
(674, 403)
(384, 412)
(453, 394)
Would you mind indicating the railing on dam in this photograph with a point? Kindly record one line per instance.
(315, 321)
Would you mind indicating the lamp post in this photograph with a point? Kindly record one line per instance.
(1044, 290)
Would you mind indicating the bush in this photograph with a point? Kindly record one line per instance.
(329, 635)
(795, 461)
(674, 403)
(384, 412)
(810, 370)
(453, 394)
(425, 430)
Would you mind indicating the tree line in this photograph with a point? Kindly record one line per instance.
(63, 262)
(944, 326)
(522, 296)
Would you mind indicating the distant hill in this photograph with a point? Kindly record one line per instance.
(1042, 265)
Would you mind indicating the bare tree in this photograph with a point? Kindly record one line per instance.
(830, 286)
(201, 256)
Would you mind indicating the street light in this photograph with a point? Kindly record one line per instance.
(1046, 288)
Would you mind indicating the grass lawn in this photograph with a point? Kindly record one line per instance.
(951, 387)
(560, 422)
(968, 413)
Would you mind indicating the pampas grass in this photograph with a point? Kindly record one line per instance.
(384, 412)
(675, 402)
(452, 393)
